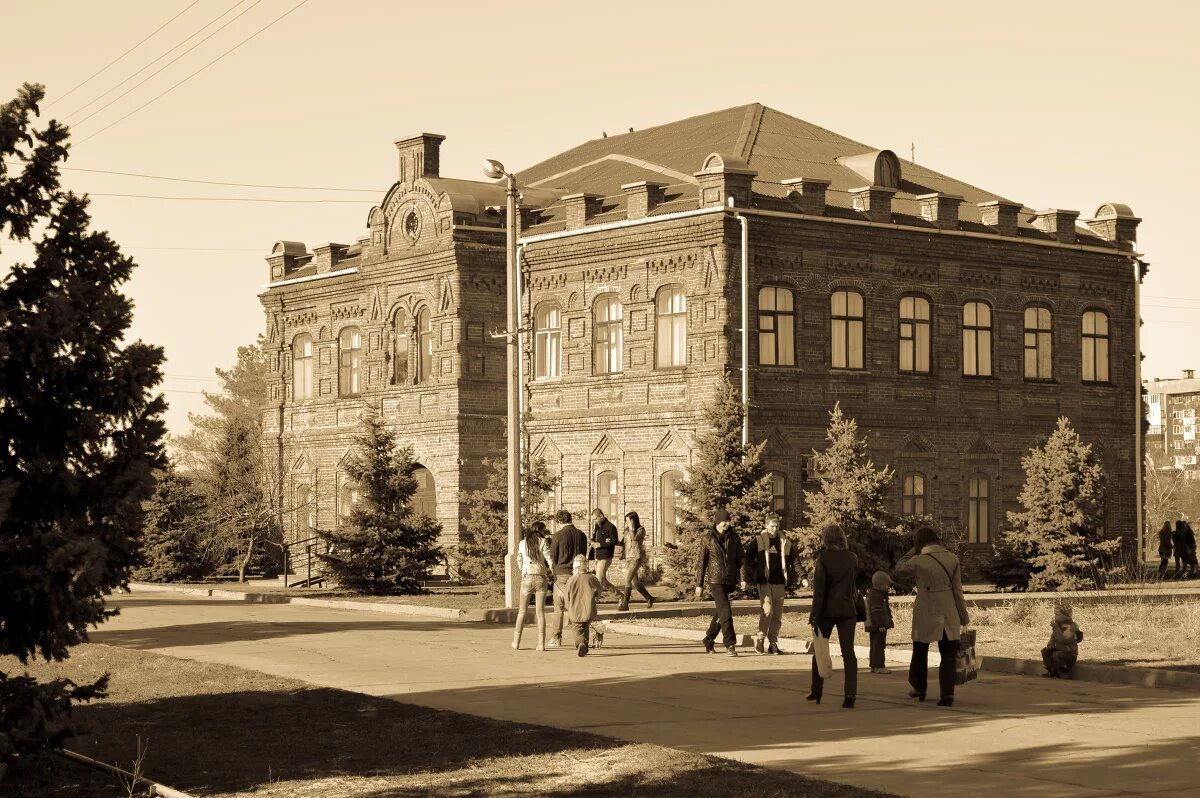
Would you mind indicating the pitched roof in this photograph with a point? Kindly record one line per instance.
(778, 146)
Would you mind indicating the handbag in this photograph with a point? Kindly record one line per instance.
(820, 649)
(966, 666)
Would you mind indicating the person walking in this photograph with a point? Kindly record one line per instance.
(534, 561)
(566, 544)
(833, 606)
(633, 552)
(717, 566)
(581, 591)
(770, 563)
(879, 620)
(1165, 546)
(1189, 543)
(1179, 541)
(939, 611)
(604, 542)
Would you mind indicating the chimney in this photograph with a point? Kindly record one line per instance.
(1189, 374)
(285, 258)
(808, 193)
(874, 201)
(581, 208)
(419, 156)
(941, 209)
(326, 257)
(642, 197)
(1000, 214)
(1115, 222)
(722, 177)
(1060, 223)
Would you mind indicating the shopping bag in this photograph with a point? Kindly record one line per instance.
(966, 668)
(820, 649)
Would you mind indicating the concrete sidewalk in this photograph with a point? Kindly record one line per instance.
(1007, 736)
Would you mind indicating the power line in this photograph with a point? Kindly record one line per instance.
(232, 199)
(218, 182)
(102, 69)
(134, 87)
(194, 74)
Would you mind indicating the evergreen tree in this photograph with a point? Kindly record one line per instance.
(1059, 537)
(80, 425)
(853, 493)
(727, 476)
(174, 515)
(383, 547)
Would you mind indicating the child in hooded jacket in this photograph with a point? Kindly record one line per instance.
(1061, 653)
(879, 619)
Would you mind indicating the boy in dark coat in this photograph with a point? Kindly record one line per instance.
(879, 619)
(582, 591)
(1061, 653)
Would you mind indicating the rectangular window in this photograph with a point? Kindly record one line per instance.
(846, 330)
(978, 517)
(776, 327)
(671, 310)
(1039, 363)
(914, 335)
(977, 339)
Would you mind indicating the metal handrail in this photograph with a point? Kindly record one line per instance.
(309, 545)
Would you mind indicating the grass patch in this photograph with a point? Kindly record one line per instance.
(215, 730)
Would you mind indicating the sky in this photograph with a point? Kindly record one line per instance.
(1063, 105)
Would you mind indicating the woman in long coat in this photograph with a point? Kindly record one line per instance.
(939, 611)
(834, 586)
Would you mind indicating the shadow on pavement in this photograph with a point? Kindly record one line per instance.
(211, 633)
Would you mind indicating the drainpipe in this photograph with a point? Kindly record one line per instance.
(1140, 463)
(745, 323)
(522, 285)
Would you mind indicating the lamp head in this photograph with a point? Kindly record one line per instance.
(493, 169)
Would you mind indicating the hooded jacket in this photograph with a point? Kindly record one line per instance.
(720, 559)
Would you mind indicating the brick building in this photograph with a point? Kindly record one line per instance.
(1173, 408)
(953, 324)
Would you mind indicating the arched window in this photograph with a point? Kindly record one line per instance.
(302, 366)
(779, 493)
(547, 341)
(977, 339)
(914, 334)
(401, 344)
(669, 503)
(304, 513)
(776, 327)
(846, 329)
(1039, 332)
(424, 346)
(912, 501)
(609, 336)
(424, 500)
(348, 498)
(1095, 346)
(349, 361)
(671, 310)
(978, 507)
(606, 494)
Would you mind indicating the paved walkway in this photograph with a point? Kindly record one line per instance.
(1009, 735)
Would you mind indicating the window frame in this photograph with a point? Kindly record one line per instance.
(547, 341)
(676, 321)
(432, 489)
(350, 371)
(914, 502)
(610, 505)
(424, 334)
(849, 324)
(670, 478)
(1043, 336)
(913, 337)
(779, 503)
(1095, 338)
(975, 330)
(303, 365)
(776, 317)
(979, 508)
(402, 327)
(614, 328)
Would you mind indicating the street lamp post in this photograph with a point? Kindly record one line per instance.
(512, 579)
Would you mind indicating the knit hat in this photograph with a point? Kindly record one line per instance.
(719, 516)
(1063, 610)
(881, 580)
(579, 562)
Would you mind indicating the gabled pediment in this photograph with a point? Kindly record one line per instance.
(778, 442)
(916, 443)
(303, 463)
(546, 449)
(673, 441)
(607, 447)
(981, 447)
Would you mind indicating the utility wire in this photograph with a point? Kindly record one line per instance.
(217, 182)
(194, 74)
(141, 82)
(102, 69)
(233, 199)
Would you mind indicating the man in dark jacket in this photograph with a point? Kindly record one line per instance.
(770, 563)
(604, 543)
(717, 568)
(1189, 542)
(565, 544)
(1179, 539)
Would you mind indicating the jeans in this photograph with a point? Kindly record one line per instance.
(769, 620)
(878, 647)
(602, 575)
(560, 604)
(581, 632)
(845, 629)
(1163, 562)
(918, 669)
(633, 579)
(722, 620)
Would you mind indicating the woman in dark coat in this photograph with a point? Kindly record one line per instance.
(1179, 539)
(1165, 547)
(833, 606)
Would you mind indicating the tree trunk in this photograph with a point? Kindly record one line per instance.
(245, 563)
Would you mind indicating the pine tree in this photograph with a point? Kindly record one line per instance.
(174, 514)
(727, 476)
(383, 547)
(482, 550)
(853, 493)
(1059, 537)
(80, 423)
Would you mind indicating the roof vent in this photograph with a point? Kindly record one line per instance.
(1189, 374)
(1115, 222)
(1060, 223)
(941, 209)
(880, 167)
(642, 197)
(580, 208)
(874, 201)
(808, 193)
(286, 257)
(722, 177)
(1000, 214)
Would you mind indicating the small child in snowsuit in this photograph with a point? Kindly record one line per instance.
(582, 590)
(1060, 654)
(879, 619)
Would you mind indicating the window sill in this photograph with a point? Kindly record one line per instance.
(1097, 384)
(670, 368)
(837, 372)
(980, 378)
(1031, 381)
(914, 374)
